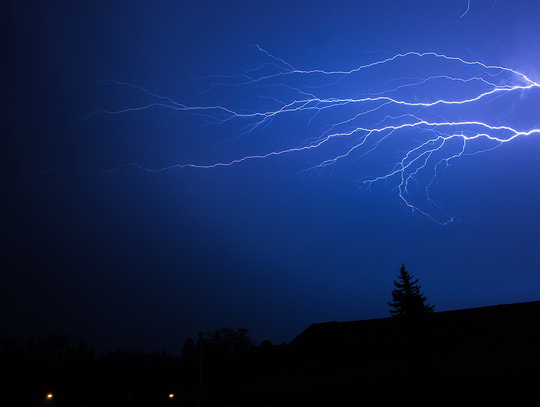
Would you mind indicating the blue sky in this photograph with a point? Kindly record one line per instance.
(136, 259)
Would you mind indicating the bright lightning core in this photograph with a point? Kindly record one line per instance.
(400, 120)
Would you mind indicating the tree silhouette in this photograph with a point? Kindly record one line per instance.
(229, 342)
(408, 301)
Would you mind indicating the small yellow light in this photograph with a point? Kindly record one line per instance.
(49, 396)
(171, 396)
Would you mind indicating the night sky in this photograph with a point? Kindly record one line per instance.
(140, 259)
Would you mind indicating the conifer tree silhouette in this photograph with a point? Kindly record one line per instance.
(407, 300)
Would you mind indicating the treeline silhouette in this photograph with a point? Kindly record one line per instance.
(215, 367)
(73, 375)
(417, 357)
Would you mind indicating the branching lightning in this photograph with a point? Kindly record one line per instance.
(406, 129)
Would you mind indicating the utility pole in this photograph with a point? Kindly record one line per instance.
(201, 334)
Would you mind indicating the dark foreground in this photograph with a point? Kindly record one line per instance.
(475, 357)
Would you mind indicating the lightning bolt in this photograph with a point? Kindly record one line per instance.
(411, 127)
(468, 8)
